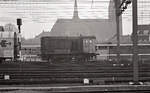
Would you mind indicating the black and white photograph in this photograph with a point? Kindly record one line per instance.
(74, 46)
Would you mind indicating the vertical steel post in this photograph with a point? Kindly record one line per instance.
(117, 3)
(19, 23)
(15, 46)
(135, 42)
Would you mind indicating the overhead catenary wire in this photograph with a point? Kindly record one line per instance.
(143, 6)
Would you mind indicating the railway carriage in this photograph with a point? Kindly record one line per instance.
(8, 45)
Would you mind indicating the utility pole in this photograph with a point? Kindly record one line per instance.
(135, 43)
(15, 47)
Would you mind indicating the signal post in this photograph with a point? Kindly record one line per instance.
(135, 43)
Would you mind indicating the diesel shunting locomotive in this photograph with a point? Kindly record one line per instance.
(61, 48)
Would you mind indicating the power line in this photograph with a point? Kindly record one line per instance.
(143, 6)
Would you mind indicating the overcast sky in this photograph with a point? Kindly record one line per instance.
(39, 15)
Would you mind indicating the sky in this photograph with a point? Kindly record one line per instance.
(39, 15)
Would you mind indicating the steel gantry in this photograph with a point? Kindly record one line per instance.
(121, 6)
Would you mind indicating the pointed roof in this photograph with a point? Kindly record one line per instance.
(75, 13)
(42, 34)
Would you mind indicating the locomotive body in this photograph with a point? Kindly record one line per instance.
(68, 48)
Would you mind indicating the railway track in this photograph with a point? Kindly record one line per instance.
(102, 73)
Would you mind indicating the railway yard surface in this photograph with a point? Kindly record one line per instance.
(45, 77)
(77, 89)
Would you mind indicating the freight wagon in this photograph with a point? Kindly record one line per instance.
(68, 48)
(8, 45)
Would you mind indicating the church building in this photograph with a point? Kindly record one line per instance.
(103, 29)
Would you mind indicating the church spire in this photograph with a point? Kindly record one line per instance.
(75, 14)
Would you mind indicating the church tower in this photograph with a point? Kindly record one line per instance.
(112, 14)
(112, 10)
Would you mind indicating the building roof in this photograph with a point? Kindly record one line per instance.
(126, 39)
(43, 34)
(31, 42)
(72, 37)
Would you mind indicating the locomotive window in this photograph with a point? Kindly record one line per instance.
(140, 32)
(90, 41)
(103, 47)
(86, 41)
(74, 45)
(146, 32)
